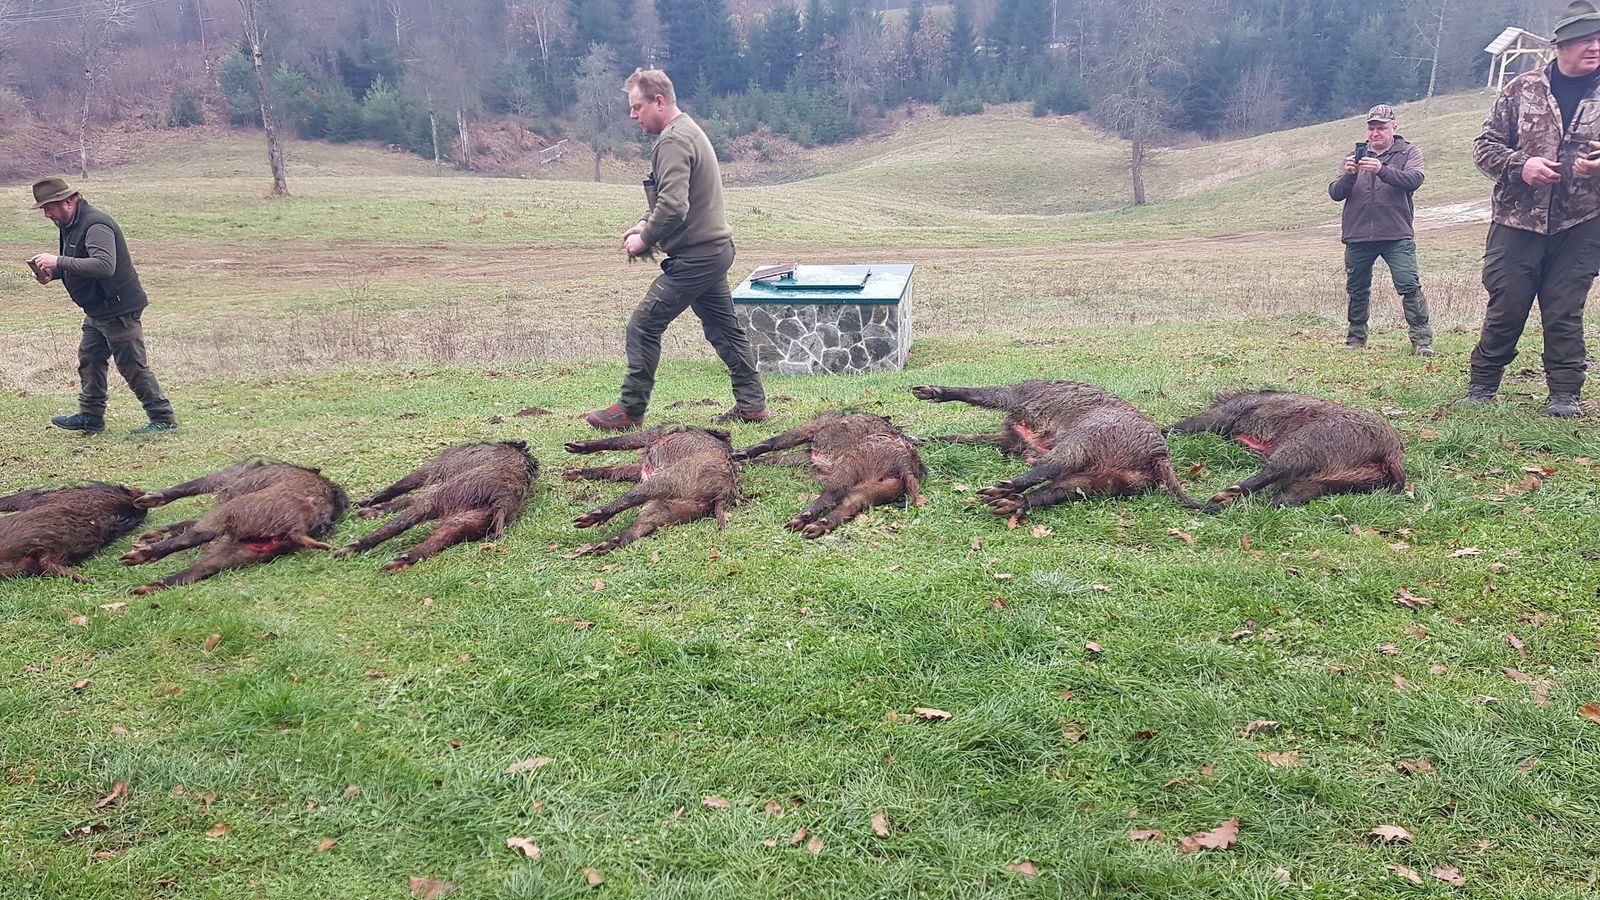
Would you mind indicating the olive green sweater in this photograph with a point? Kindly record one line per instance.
(686, 218)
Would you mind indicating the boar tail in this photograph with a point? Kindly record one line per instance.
(1169, 480)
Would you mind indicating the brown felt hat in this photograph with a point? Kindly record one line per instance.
(49, 190)
(1579, 19)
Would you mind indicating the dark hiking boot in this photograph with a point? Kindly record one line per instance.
(1563, 404)
(1353, 344)
(1421, 349)
(613, 418)
(743, 415)
(80, 422)
(1480, 394)
(155, 428)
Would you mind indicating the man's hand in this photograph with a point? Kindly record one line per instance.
(1349, 167)
(1541, 172)
(638, 228)
(1587, 168)
(634, 244)
(1370, 165)
(44, 267)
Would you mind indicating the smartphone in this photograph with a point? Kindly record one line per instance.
(1361, 150)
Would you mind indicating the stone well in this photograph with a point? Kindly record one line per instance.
(829, 320)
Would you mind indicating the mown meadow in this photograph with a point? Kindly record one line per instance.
(1386, 691)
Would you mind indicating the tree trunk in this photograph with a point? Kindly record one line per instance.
(1136, 154)
(433, 126)
(597, 165)
(466, 139)
(1438, 41)
(252, 24)
(83, 122)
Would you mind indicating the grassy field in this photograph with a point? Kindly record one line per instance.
(733, 714)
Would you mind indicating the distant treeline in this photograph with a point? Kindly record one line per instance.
(413, 72)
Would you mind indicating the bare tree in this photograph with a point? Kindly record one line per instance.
(99, 22)
(1435, 44)
(541, 23)
(252, 33)
(857, 66)
(600, 111)
(1258, 104)
(1133, 105)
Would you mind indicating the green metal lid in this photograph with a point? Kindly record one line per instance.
(876, 283)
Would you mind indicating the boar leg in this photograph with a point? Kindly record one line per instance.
(794, 437)
(193, 536)
(603, 473)
(1268, 476)
(636, 497)
(389, 508)
(205, 484)
(222, 555)
(634, 440)
(471, 525)
(1006, 497)
(988, 397)
(163, 533)
(853, 503)
(1360, 480)
(657, 513)
(51, 567)
(21, 500)
(404, 486)
(392, 528)
(796, 458)
(1210, 420)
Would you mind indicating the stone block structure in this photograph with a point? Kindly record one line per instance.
(829, 320)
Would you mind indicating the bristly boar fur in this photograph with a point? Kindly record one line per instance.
(683, 475)
(861, 459)
(1082, 440)
(264, 510)
(1309, 446)
(473, 491)
(50, 531)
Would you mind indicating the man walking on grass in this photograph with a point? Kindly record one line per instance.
(686, 222)
(1544, 240)
(1376, 191)
(94, 264)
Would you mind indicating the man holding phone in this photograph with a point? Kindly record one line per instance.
(1375, 184)
(1538, 145)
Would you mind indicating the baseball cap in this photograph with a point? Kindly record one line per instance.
(1383, 112)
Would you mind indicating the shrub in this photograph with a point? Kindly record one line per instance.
(186, 111)
(961, 100)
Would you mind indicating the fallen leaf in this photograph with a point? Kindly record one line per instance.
(527, 847)
(1259, 725)
(1408, 874)
(1040, 531)
(112, 607)
(1449, 875)
(1590, 711)
(528, 765)
(430, 888)
(1529, 483)
(1287, 759)
(1466, 551)
(1418, 766)
(1092, 647)
(1153, 834)
(1003, 576)
(80, 684)
(977, 542)
(324, 845)
(999, 604)
(1428, 434)
(1412, 631)
(1514, 675)
(1244, 541)
(351, 791)
(598, 584)
(1240, 635)
(85, 831)
(1400, 683)
(880, 824)
(1516, 644)
(712, 801)
(1392, 834)
(1182, 535)
(814, 845)
(799, 835)
(211, 643)
(1198, 470)
(1144, 734)
(1437, 669)
(928, 712)
(218, 830)
(593, 877)
(118, 791)
(1404, 597)
(119, 731)
(75, 618)
(773, 808)
(1388, 649)
(1225, 835)
(1026, 869)
(582, 625)
(206, 799)
(1528, 764)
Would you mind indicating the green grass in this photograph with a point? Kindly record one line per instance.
(756, 666)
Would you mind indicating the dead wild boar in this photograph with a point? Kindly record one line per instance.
(50, 531)
(862, 460)
(264, 510)
(1082, 441)
(473, 491)
(683, 475)
(1309, 446)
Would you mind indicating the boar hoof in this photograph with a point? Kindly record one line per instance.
(1007, 505)
(927, 392)
(134, 557)
(346, 550)
(398, 564)
(815, 530)
(1225, 496)
(373, 512)
(573, 474)
(795, 524)
(148, 501)
(143, 590)
(590, 519)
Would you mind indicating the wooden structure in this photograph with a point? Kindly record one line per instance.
(1516, 51)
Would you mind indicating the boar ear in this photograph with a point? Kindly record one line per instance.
(721, 435)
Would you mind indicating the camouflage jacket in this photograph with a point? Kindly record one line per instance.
(1525, 123)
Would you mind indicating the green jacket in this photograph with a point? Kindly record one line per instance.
(1526, 122)
(686, 216)
(1379, 207)
(95, 266)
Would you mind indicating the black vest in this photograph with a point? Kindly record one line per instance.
(101, 297)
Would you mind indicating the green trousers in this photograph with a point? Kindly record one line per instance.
(119, 338)
(1555, 269)
(1401, 257)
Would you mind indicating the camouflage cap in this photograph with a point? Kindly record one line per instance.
(1383, 112)
(1579, 19)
